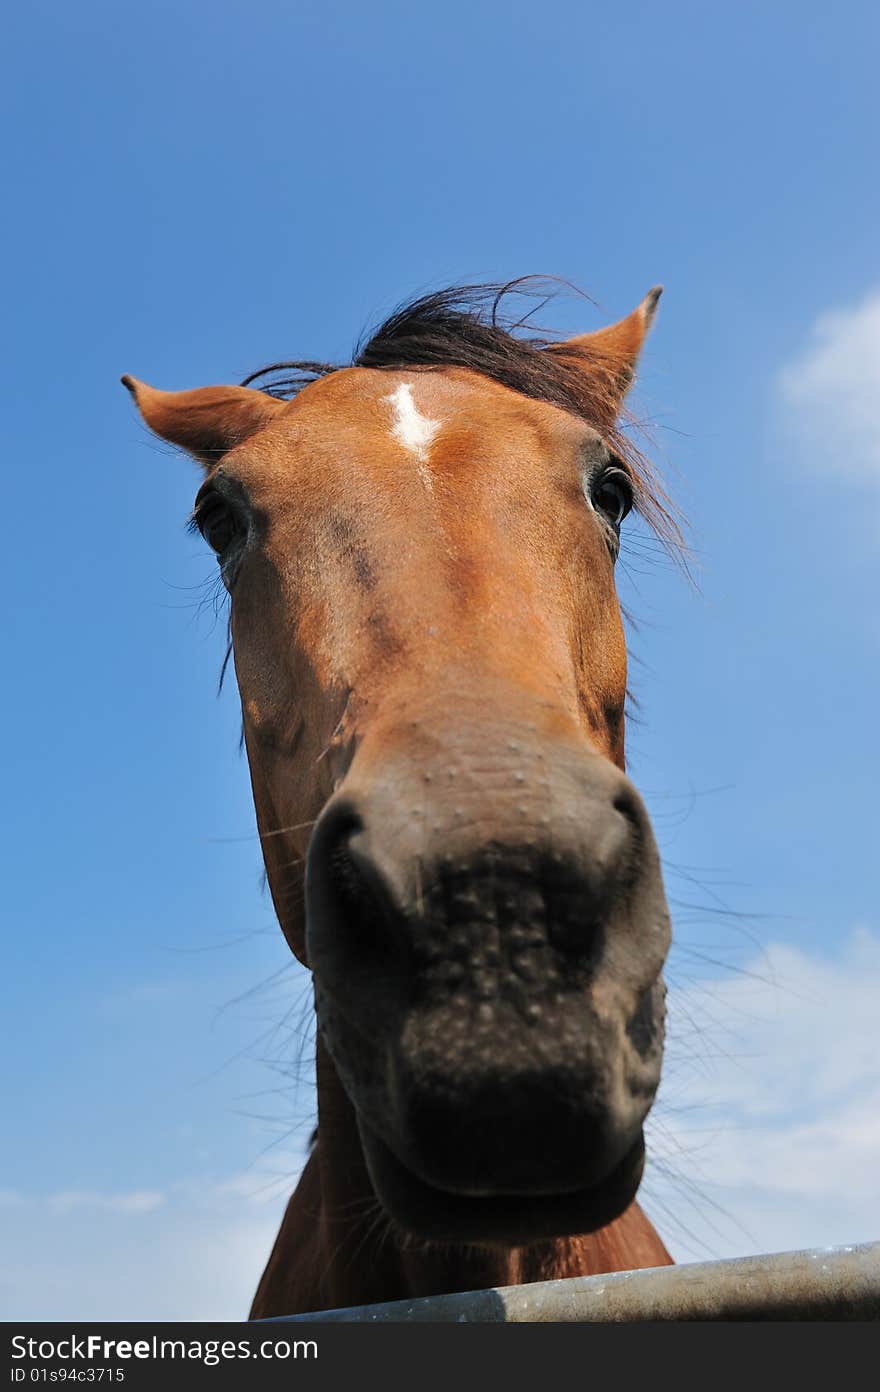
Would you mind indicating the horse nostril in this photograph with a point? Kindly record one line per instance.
(353, 920)
(357, 897)
(627, 802)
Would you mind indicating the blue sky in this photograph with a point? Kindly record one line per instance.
(194, 190)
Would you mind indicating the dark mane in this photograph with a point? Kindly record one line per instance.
(462, 327)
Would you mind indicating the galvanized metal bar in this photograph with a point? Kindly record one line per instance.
(831, 1283)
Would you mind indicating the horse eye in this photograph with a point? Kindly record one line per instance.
(613, 496)
(218, 524)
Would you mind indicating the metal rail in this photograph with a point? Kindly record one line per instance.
(831, 1283)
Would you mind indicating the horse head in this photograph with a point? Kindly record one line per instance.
(420, 553)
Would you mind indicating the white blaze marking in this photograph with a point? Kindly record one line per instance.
(413, 430)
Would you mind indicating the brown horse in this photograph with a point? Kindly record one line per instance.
(420, 552)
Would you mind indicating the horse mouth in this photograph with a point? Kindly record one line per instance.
(497, 1219)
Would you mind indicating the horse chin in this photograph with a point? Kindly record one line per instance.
(496, 1219)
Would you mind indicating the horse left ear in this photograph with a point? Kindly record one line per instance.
(613, 352)
(206, 422)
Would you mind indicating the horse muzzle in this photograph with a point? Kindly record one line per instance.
(488, 982)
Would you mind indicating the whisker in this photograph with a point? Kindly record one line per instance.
(261, 835)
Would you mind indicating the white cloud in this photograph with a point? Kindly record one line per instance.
(138, 1201)
(832, 391)
(767, 1134)
(194, 1252)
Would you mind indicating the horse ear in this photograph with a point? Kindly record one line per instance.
(614, 351)
(206, 422)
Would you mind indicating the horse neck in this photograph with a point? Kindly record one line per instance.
(336, 1247)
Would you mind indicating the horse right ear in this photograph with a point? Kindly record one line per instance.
(610, 355)
(206, 422)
